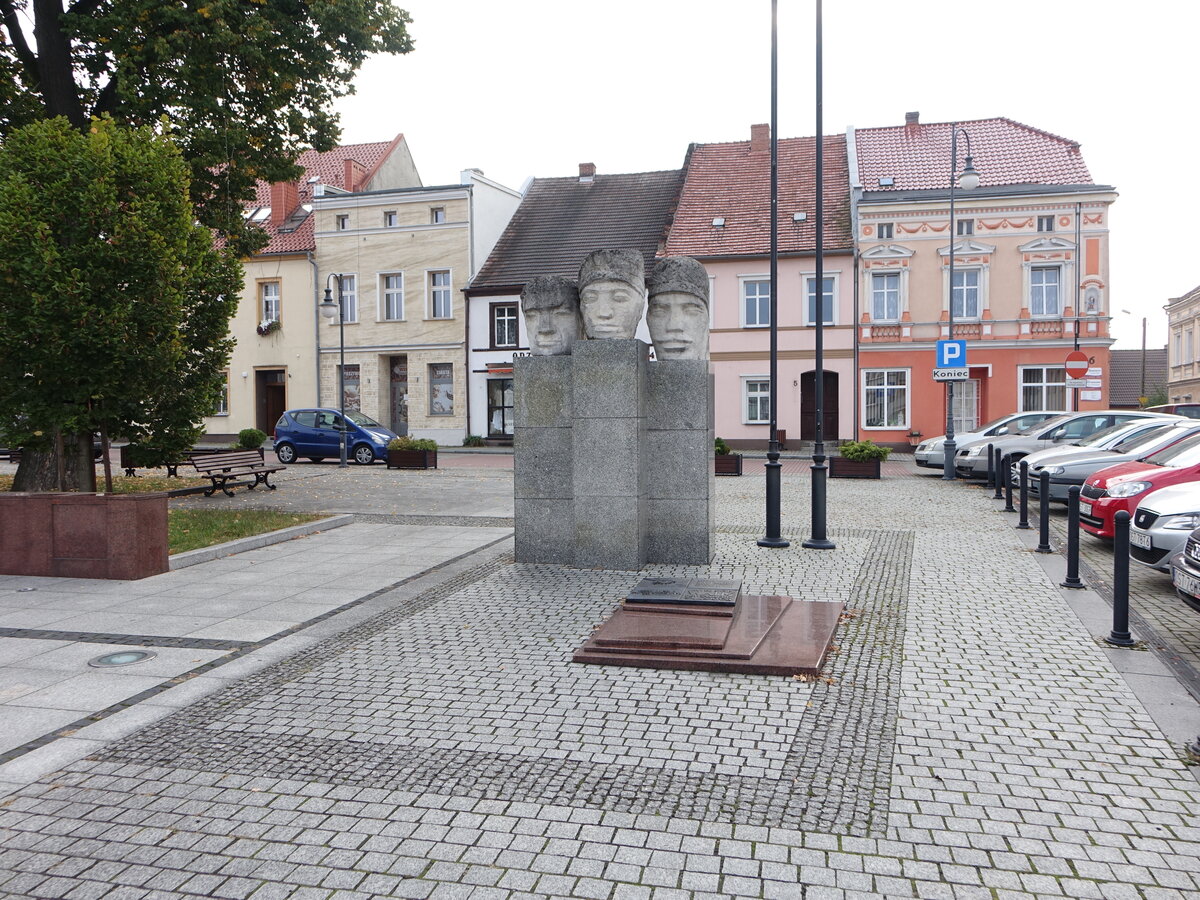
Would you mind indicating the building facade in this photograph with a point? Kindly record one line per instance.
(1183, 354)
(1031, 279)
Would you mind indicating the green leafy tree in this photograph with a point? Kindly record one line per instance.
(115, 304)
(245, 85)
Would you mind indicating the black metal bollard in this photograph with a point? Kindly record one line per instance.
(1008, 504)
(991, 479)
(1120, 636)
(1001, 473)
(1044, 514)
(1023, 522)
(1073, 539)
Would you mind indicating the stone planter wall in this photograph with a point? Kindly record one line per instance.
(728, 464)
(852, 468)
(412, 459)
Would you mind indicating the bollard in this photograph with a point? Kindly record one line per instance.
(1001, 473)
(1073, 539)
(1120, 636)
(1023, 522)
(991, 478)
(1044, 514)
(1008, 504)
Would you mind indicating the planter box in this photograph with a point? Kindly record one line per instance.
(729, 464)
(83, 535)
(412, 459)
(852, 468)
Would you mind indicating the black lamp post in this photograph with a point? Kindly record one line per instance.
(969, 179)
(329, 309)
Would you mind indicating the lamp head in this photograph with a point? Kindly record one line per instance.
(328, 308)
(969, 179)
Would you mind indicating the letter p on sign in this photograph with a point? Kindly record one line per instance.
(951, 354)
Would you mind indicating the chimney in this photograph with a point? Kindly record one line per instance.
(760, 138)
(912, 120)
(587, 172)
(352, 175)
(285, 197)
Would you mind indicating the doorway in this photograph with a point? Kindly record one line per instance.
(966, 405)
(399, 394)
(270, 397)
(808, 406)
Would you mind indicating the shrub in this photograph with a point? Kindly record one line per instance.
(474, 440)
(721, 448)
(864, 451)
(411, 443)
(250, 439)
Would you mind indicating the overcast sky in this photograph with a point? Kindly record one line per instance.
(527, 88)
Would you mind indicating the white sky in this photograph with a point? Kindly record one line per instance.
(534, 87)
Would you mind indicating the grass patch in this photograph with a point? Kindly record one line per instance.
(191, 529)
(145, 484)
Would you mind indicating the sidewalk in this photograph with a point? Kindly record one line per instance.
(969, 739)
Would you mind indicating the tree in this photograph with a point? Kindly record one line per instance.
(115, 305)
(245, 84)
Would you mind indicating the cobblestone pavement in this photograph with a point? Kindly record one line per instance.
(448, 748)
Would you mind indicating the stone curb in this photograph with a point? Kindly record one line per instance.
(204, 554)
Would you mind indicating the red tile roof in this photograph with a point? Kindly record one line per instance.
(733, 182)
(562, 220)
(329, 168)
(1005, 152)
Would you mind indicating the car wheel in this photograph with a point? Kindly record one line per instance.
(364, 455)
(286, 453)
(316, 459)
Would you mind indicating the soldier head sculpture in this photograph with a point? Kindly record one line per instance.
(612, 289)
(551, 307)
(678, 311)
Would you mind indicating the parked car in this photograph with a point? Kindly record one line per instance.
(1161, 524)
(1191, 410)
(1065, 429)
(1071, 465)
(1185, 571)
(929, 453)
(314, 433)
(1126, 484)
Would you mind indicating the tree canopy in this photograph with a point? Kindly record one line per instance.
(244, 85)
(114, 312)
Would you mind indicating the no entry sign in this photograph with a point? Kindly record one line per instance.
(1077, 364)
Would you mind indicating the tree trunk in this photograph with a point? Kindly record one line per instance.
(38, 469)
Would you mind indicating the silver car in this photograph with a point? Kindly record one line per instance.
(1066, 429)
(1161, 525)
(929, 453)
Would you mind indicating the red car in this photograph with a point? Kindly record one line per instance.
(1126, 484)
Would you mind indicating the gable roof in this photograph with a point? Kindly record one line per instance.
(1125, 375)
(295, 235)
(732, 181)
(562, 220)
(917, 156)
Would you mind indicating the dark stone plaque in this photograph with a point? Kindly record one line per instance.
(699, 591)
(659, 590)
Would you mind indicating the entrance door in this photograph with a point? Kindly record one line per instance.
(808, 406)
(966, 405)
(399, 406)
(271, 399)
(500, 407)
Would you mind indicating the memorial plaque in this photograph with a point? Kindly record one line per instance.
(659, 590)
(698, 591)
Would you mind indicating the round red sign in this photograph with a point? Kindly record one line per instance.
(1077, 364)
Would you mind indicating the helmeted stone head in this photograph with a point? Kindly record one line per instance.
(612, 291)
(678, 312)
(550, 304)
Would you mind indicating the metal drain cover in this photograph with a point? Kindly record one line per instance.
(122, 658)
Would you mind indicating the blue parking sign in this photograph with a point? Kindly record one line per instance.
(951, 354)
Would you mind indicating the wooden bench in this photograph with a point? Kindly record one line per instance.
(226, 465)
(130, 465)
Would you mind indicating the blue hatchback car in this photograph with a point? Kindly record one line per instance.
(314, 434)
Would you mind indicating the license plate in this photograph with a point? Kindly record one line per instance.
(1185, 582)
(1085, 507)
(1139, 540)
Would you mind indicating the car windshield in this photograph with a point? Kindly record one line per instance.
(1048, 424)
(992, 424)
(359, 419)
(1150, 439)
(1102, 437)
(1185, 453)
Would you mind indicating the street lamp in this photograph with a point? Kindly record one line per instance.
(329, 309)
(1142, 393)
(969, 179)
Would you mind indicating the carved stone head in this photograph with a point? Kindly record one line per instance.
(612, 290)
(551, 307)
(678, 311)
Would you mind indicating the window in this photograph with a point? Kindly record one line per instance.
(441, 389)
(437, 215)
(504, 325)
(1187, 346)
(390, 220)
(885, 231)
(810, 285)
(393, 298)
(348, 293)
(223, 398)
(966, 406)
(1178, 348)
(268, 292)
(1045, 223)
(966, 226)
(965, 293)
(1043, 387)
(758, 401)
(1043, 291)
(307, 418)
(500, 407)
(756, 303)
(343, 222)
(351, 394)
(439, 295)
(885, 297)
(885, 398)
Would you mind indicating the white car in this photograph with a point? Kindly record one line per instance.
(929, 453)
(1161, 524)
